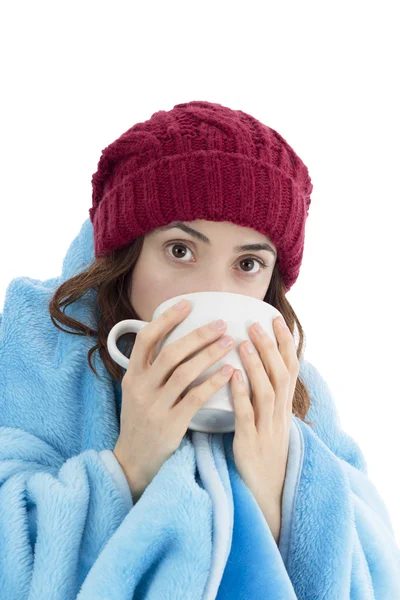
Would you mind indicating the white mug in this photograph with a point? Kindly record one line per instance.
(239, 312)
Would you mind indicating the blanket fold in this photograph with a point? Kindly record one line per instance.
(67, 531)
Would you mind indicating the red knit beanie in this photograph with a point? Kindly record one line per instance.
(202, 160)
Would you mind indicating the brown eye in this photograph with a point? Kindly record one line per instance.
(247, 260)
(179, 257)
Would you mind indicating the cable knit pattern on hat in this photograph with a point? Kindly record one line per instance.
(202, 160)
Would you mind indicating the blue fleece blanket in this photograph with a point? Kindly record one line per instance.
(196, 533)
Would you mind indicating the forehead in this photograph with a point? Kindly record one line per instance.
(216, 225)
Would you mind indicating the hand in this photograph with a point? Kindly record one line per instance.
(156, 406)
(262, 426)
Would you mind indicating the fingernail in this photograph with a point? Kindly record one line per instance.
(249, 347)
(226, 341)
(259, 329)
(219, 324)
(182, 304)
(226, 369)
(238, 375)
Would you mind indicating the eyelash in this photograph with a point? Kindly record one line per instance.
(260, 262)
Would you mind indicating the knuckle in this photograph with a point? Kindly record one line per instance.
(214, 351)
(181, 374)
(258, 365)
(203, 333)
(269, 342)
(284, 377)
(247, 416)
(215, 383)
(164, 357)
(194, 397)
(167, 316)
(270, 394)
(165, 320)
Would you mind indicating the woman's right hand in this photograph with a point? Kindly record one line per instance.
(154, 416)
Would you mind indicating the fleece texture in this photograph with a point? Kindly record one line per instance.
(68, 529)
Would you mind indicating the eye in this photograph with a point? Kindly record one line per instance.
(241, 260)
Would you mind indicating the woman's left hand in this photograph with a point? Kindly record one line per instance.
(262, 425)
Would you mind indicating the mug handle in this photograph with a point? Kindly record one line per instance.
(126, 326)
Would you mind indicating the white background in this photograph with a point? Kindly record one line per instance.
(76, 75)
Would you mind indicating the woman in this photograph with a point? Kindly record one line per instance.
(102, 494)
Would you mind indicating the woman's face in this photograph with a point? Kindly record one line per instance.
(173, 262)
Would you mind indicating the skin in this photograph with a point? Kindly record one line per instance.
(164, 272)
(166, 269)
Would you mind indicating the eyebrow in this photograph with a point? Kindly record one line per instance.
(203, 238)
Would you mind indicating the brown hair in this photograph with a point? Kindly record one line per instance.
(110, 277)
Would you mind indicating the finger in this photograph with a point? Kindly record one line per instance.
(270, 352)
(287, 350)
(286, 346)
(263, 393)
(244, 413)
(198, 395)
(153, 333)
(280, 362)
